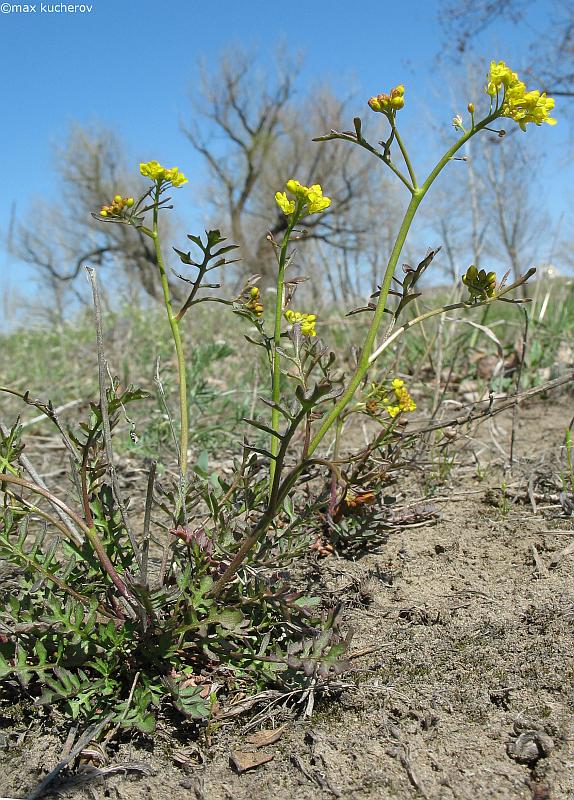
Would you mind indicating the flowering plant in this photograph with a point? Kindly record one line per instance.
(100, 633)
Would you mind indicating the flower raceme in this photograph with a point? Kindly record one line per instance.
(307, 199)
(253, 301)
(306, 321)
(403, 402)
(395, 401)
(117, 206)
(161, 175)
(480, 284)
(518, 104)
(387, 103)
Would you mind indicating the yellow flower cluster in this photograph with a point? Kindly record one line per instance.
(385, 103)
(379, 397)
(253, 302)
(306, 321)
(403, 401)
(308, 199)
(518, 104)
(480, 284)
(159, 174)
(117, 206)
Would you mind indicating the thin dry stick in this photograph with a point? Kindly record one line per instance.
(518, 377)
(102, 366)
(163, 400)
(562, 554)
(42, 417)
(438, 363)
(491, 409)
(147, 520)
(438, 403)
(111, 733)
(50, 413)
(87, 737)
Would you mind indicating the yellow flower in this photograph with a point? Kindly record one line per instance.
(287, 206)
(315, 200)
(499, 76)
(404, 402)
(524, 107)
(175, 177)
(398, 402)
(296, 188)
(518, 104)
(397, 97)
(306, 321)
(308, 199)
(159, 174)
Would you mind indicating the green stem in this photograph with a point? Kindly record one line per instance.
(382, 156)
(417, 320)
(363, 365)
(280, 489)
(174, 325)
(405, 154)
(276, 386)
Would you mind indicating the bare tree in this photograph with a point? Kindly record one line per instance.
(518, 222)
(255, 134)
(552, 48)
(58, 238)
(489, 211)
(460, 215)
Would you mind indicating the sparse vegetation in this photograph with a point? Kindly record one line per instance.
(195, 474)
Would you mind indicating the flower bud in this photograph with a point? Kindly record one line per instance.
(117, 198)
(130, 202)
(470, 108)
(480, 284)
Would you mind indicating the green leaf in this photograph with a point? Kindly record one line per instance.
(202, 464)
(262, 427)
(188, 700)
(229, 619)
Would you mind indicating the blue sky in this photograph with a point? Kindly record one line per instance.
(130, 65)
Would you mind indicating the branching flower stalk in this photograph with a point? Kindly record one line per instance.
(508, 98)
(499, 295)
(417, 196)
(276, 372)
(124, 210)
(303, 201)
(515, 103)
(176, 335)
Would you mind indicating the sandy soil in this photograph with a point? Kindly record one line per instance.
(470, 695)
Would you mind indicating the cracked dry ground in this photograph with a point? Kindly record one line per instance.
(470, 695)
